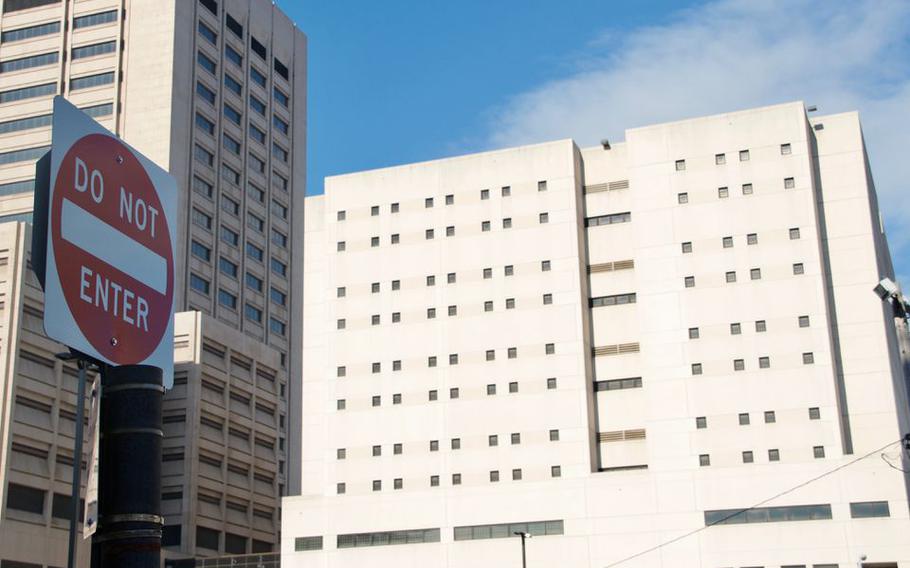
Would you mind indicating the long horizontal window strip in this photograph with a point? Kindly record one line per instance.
(23, 155)
(31, 92)
(30, 32)
(92, 81)
(95, 111)
(17, 187)
(618, 384)
(622, 435)
(94, 49)
(385, 538)
(611, 266)
(617, 349)
(767, 515)
(608, 186)
(16, 5)
(611, 219)
(95, 19)
(614, 300)
(29, 62)
(304, 543)
(25, 123)
(869, 509)
(506, 530)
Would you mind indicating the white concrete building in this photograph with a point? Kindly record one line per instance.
(615, 349)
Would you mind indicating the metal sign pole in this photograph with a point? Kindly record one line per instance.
(77, 465)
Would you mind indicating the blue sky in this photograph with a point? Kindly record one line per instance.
(401, 81)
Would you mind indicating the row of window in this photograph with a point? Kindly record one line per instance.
(455, 444)
(433, 394)
(451, 278)
(761, 326)
(430, 202)
(770, 417)
(764, 362)
(494, 477)
(748, 456)
(751, 239)
(724, 192)
(754, 274)
(488, 306)
(250, 311)
(229, 236)
(858, 510)
(744, 156)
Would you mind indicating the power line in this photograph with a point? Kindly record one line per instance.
(756, 505)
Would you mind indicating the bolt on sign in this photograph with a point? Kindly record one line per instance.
(111, 232)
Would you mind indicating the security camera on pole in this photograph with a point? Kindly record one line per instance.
(103, 250)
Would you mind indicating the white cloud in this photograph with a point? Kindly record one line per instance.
(734, 54)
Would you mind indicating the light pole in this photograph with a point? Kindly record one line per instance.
(523, 535)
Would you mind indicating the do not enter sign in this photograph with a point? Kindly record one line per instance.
(110, 251)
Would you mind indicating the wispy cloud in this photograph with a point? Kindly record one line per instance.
(733, 54)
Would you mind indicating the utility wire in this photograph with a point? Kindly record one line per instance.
(759, 504)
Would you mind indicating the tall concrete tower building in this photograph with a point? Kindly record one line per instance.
(664, 351)
(215, 92)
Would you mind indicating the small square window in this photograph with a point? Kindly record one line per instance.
(340, 404)
(508, 270)
(374, 211)
(744, 419)
(341, 323)
(341, 453)
(544, 265)
(682, 197)
(377, 400)
(743, 155)
(340, 488)
(693, 333)
(735, 329)
(374, 242)
(704, 460)
(764, 362)
(453, 392)
(689, 281)
(396, 365)
(727, 242)
(815, 413)
(720, 159)
(748, 457)
(770, 417)
(487, 273)
(377, 451)
(773, 455)
(507, 223)
(510, 303)
(456, 479)
(547, 299)
(396, 285)
(515, 438)
(374, 319)
(453, 359)
(450, 278)
(808, 358)
(341, 292)
(680, 165)
(488, 306)
(450, 199)
(494, 476)
(396, 399)
(687, 247)
(701, 422)
(513, 387)
(730, 276)
(747, 189)
(453, 311)
(755, 273)
(431, 361)
(752, 239)
(554, 435)
(340, 246)
(723, 192)
(431, 313)
(761, 326)
(803, 321)
(428, 202)
(544, 218)
(506, 191)
(434, 481)
(549, 348)
(375, 287)
(789, 183)
(551, 383)
(456, 443)
(798, 268)
(431, 280)
(794, 233)
(377, 485)
(341, 371)
(516, 475)
(739, 365)
(395, 208)
(484, 194)
(484, 226)
(541, 186)
(434, 445)
(785, 150)
(429, 234)
(395, 238)
(491, 389)
(491, 355)
(341, 215)
(512, 352)
(450, 231)
(696, 368)
(492, 440)
(555, 471)
(818, 452)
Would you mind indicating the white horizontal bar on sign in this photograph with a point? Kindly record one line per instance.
(108, 244)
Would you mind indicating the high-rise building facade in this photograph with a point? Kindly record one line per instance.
(660, 352)
(214, 91)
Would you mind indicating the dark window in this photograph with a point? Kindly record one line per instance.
(29, 62)
(99, 49)
(16, 5)
(767, 514)
(23, 498)
(30, 32)
(170, 535)
(207, 538)
(234, 26)
(234, 543)
(210, 5)
(869, 509)
(281, 69)
(258, 49)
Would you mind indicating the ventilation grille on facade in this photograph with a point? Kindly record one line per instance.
(618, 349)
(621, 435)
(611, 186)
(611, 266)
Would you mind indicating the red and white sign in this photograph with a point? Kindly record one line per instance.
(110, 248)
